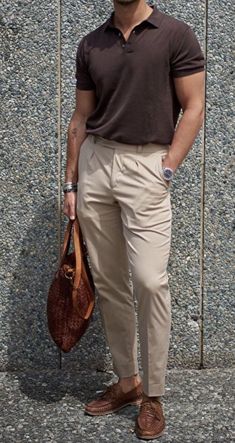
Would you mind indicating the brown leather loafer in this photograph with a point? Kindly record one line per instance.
(150, 422)
(113, 399)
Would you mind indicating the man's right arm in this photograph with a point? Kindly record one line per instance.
(85, 104)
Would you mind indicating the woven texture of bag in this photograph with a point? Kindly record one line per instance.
(71, 296)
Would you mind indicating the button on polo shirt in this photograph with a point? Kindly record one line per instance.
(133, 80)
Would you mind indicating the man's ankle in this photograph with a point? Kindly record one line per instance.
(130, 378)
(131, 381)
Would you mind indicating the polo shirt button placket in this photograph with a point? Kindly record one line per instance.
(120, 35)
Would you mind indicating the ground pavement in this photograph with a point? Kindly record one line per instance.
(48, 406)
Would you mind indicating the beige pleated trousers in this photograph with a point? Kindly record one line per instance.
(124, 209)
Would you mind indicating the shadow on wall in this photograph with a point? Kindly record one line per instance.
(30, 346)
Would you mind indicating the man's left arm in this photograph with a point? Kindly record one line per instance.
(190, 90)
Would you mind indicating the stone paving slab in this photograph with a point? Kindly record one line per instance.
(48, 406)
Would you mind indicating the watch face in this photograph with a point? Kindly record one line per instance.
(168, 173)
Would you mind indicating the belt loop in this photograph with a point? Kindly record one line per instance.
(94, 138)
(139, 148)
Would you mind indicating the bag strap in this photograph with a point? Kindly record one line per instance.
(77, 249)
(80, 268)
(66, 242)
(74, 228)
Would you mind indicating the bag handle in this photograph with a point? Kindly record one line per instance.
(77, 249)
(80, 269)
(73, 226)
(66, 242)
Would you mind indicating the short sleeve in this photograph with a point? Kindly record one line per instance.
(83, 78)
(187, 57)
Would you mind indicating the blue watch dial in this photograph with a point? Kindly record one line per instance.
(168, 173)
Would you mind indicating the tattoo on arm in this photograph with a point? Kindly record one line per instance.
(74, 132)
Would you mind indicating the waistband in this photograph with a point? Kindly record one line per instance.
(113, 144)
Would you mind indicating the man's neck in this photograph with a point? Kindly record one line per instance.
(130, 14)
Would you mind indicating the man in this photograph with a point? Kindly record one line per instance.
(134, 74)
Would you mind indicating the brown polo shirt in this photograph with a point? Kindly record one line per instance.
(133, 79)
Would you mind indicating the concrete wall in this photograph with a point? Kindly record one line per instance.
(39, 42)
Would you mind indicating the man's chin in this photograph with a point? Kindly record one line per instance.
(125, 2)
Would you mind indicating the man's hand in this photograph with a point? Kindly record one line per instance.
(70, 203)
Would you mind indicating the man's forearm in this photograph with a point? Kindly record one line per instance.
(76, 136)
(184, 137)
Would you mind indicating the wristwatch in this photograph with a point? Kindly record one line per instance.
(168, 173)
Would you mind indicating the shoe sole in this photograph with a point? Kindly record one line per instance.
(136, 402)
(148, 437)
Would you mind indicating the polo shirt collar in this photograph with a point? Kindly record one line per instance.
(154, 18)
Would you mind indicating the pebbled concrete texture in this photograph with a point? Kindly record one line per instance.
(219, 288)
(48, 406)
(29, 173)
(37, 107)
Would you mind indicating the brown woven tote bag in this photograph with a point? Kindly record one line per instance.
(71, 296)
